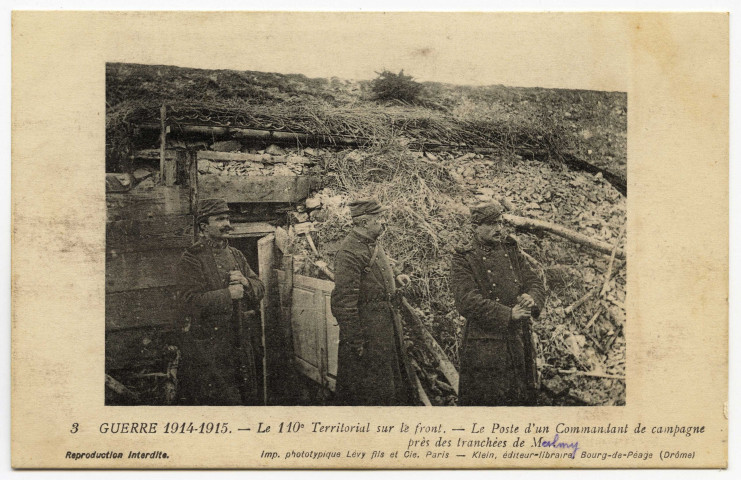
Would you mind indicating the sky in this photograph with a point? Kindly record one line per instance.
(554, 51)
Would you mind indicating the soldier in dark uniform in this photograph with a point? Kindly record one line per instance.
(370, 369)
(499, 295)
(219, 294)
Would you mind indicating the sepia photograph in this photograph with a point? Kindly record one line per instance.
(347, 220)
(274, 239)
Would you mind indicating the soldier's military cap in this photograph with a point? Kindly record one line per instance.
(209, 207)
(487, 213)
(368, 206)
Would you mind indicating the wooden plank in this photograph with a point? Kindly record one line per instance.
(315, 283)
(167, 231)
(163, 141)
(153, 154)
(251, 229)
(137, 308)
(192, 165)
(306, 344)
(136, 270)
(145, 203)
(333, 338)
(234, 189)
(265, 260)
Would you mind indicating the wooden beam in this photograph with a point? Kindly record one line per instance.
(251, 229)
(142, 204)
(251, 157)
(163, 141)
(153, 154)
(265, 135)
(233, 189)
(136, 235)
(561, 231)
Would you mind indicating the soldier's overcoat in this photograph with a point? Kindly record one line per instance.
(214, 369)
(497, 362)
(370, 368)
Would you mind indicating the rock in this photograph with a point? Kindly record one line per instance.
(310, 152)
(226, 146)
(300, 208)
(486, 191)
(465, 157)
(318, 216)
(313, 202)
(431, 156)
(469, 172)
(204, 166)
(141, 173)
(275, 150)
(355, 156)
(299, 217)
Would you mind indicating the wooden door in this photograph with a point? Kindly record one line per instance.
(314, 329)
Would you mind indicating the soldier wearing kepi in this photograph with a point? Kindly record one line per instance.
(219, 293)
(370, 369)
(499, 295)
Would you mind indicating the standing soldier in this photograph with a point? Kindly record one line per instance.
(370, 368)
(219, 292)
(499, 294)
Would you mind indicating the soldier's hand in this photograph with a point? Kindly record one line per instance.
(520, 312)
(236, 277)
(236, 291)
(526, 300)
(403, 280)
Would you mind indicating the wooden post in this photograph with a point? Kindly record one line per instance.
(163, 142)
(192, 166)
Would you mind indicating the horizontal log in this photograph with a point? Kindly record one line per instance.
(146, 203)
(141, 308)
(153, 154)
(561, 231)
(251, 157)
(279, 189)
(261, 134)
(167, 231)
(137, 270)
